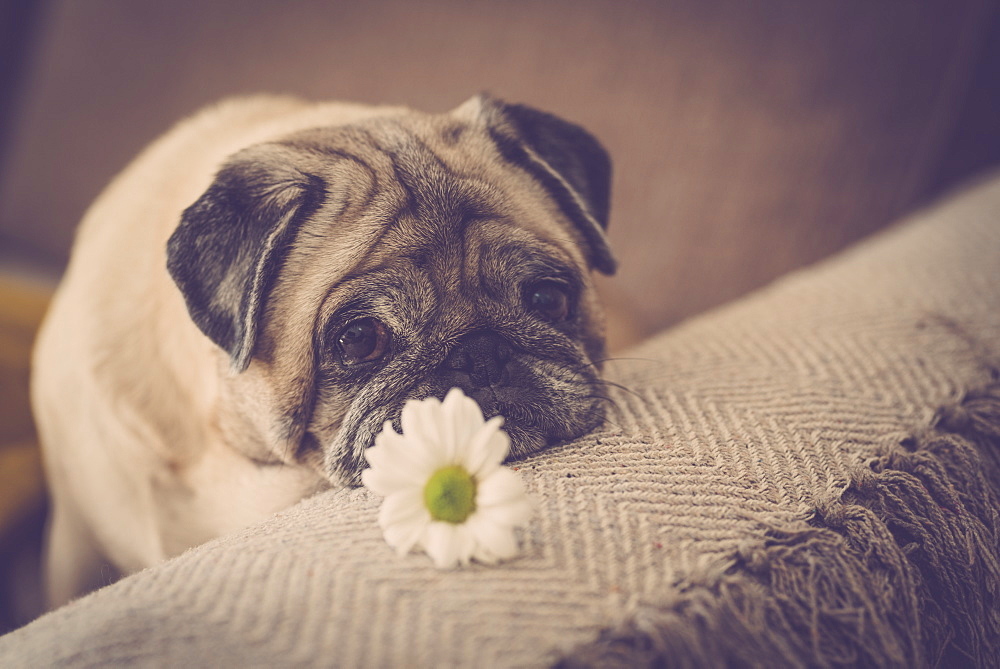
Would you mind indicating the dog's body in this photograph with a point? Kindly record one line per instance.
(337, 260)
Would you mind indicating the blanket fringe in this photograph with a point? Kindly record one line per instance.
(903, 570)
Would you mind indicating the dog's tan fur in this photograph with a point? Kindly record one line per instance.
(153, 442)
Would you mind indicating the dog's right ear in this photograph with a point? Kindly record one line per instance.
(231, 243)
(566, 159)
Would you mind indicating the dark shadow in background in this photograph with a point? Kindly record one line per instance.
(975, 145)
(19, 24)
(20, 543)
(21, 570)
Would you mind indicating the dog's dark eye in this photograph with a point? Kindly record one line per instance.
(549, 299)
(363, 340)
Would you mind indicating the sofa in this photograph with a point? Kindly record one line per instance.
(774, 476)
(806, 477)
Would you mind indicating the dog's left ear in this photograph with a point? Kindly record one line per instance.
(231, 243)
(568, 161)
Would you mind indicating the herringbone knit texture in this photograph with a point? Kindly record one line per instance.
(744, 503)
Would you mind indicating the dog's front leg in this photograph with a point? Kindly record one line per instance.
(73, 563)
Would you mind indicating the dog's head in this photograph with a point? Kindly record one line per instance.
(344, 270)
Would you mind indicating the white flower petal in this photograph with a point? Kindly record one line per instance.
(410, 418)
(401, 507)
(387, 444)
(407, 457)
(514, 513)
(419, 420)
(465, 543)
(493, 541)
(385, 481)
(452, 432)
(487, 449)
(441, 544)
(465, 415)
(439, 434)
(403, 520)
(404, 536)
(385, 440)
(501, 486)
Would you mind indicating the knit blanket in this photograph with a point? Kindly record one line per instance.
(807, 477)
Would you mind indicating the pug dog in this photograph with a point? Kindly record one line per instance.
(268, 283)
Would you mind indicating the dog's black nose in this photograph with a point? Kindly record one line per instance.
(479, 359)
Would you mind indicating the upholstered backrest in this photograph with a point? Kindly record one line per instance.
(757, 135)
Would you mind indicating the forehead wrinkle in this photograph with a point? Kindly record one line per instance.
(406, 291)
(366, 261)
(438, 189)
(357, 145)
(518, 245)
(432, 259)
(515, 262)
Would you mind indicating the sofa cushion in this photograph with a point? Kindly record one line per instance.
(772, 486)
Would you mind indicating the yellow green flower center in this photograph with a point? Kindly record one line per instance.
(450, 494)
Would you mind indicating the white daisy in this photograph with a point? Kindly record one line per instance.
(444, 487)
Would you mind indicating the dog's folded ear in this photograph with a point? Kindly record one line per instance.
(231, 243)
(563, 157)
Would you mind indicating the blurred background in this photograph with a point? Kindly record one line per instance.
(749, 137)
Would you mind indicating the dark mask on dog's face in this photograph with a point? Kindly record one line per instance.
(345, 270)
